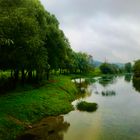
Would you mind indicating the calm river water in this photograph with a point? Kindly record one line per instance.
(117, 116)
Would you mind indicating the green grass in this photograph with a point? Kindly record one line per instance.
(19, 109)
(85, 106)
(92, 73)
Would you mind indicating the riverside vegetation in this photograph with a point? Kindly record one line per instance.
(85, 106)
(32, 48)
(19, 109)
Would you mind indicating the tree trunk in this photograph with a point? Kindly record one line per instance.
(16, 75)
(60, 71)
(11, 73)
(38, 75)
(48, 74)
(22, 76)
(30, 75)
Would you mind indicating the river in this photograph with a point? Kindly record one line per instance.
(117, 116)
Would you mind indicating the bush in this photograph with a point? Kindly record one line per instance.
(85, 106)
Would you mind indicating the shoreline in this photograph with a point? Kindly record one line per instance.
(20, 110)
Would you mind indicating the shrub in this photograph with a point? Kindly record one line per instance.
(85, 106)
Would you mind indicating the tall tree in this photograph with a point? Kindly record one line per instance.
(22, 34)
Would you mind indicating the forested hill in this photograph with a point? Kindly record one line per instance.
(32, 44)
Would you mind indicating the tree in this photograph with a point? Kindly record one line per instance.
(57, 45)
(32, 42)
(136, 69)
(107, 68)
(128, 67)
(81, 62)
(22, 34)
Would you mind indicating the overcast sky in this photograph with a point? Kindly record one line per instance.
(105, 29)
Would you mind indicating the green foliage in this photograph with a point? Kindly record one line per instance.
(81, 63)
(136, 83)
(136, 69)
(31, 41)
(22, 35)
(85, 106)
(97, 72)
(128, 77)
(107, 68)
(128, 67)
(20, 109)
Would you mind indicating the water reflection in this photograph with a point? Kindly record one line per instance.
(108, 93)
(50, 128)
(106, 80)
(83, 83)
(128, 77)
(136, 84)
(87, 93)
(82, 86)
(119, 114)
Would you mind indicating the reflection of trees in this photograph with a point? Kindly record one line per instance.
(128, 77)
(83, 83)
(136, 84)
(87, 93)
(82, 86)
(108, 93)
(106, 80)
(50, 128)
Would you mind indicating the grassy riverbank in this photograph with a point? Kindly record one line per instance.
(19, 109)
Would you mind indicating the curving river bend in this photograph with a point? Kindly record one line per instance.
(117, 116)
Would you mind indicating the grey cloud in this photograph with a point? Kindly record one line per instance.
(86, 8)
(103, 28)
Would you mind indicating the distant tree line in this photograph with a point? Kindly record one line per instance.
(32, 44)
(107, 68)
(128, 69)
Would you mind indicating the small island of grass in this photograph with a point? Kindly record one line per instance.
(85, 106)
